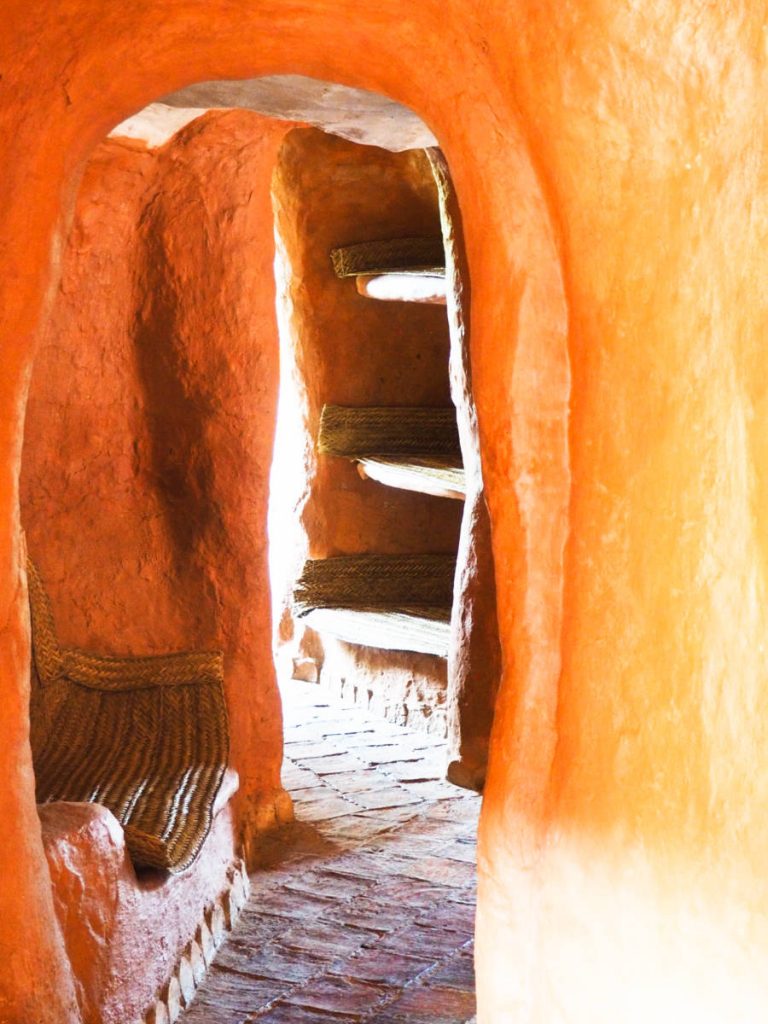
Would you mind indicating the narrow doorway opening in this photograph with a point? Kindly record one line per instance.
(148, 450)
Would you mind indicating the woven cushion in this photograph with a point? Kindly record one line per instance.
(146, 737)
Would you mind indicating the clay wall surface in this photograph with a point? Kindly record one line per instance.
(610, 163)
(150, 420)
(474, 658)
(341, 348)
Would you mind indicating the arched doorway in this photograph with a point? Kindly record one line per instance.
(169, 57)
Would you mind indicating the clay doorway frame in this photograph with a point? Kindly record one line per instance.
(518, 322)
(473, 661)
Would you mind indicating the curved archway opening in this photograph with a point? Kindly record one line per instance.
(77, 99)
(154, 442)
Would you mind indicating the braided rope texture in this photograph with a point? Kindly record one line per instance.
(423, 255)
(146, 737)
(352, 432)
(376, 582)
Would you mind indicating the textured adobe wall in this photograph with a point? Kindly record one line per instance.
(151, 416)
(610, 163)
(474, 661)
(125, 935)
(341, 348)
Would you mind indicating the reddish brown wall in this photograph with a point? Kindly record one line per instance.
(151, 417)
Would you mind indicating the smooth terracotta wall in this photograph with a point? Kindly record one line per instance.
(150, 421)
(610, 165)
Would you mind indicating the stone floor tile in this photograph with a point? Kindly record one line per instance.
(363, 910)
(437, 869)
(271, 962)
(204, 1013)
(423, 1004)
(328, 807)
(458, 850)
(330, 764)
(326, 885)
(385, 797)
(342, 995)
(286, 903)
(355, 782)
(373, 915)
(437, 943)
(239, 992)
(458, 973)
(385, 966)
(324, 939)
(289, 1013)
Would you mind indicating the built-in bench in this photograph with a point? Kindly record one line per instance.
(134, 795)
(415, 448)
(395, 269)
(393, 602)
(139, 942)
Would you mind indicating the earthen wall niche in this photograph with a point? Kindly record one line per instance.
(145, 477)
(341, 348)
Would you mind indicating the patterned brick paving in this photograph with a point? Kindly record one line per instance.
(363, 910)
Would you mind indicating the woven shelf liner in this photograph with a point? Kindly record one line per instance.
(146, 737)
(422, 255)
(380, 582)
(353, 432)
(423, 630)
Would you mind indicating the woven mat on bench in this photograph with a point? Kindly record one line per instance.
(353, 432)
(422, 255)
(146, 737)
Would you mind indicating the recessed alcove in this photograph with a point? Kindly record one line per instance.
(145, 481)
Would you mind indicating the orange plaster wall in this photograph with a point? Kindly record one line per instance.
(341, 348)
(610, 164)
(151, 416)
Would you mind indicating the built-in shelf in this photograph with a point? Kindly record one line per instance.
(440, 476)
(404, 286)
(393, 602)
(390, 602)
(422, 255)
(414, 448)
(424, 631)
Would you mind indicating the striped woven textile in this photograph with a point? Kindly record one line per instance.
(386, 582)
(146, 737)
(395, 602)
(354, 432)
(420, 255)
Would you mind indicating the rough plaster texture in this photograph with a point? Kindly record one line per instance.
(341, 348)
(123, 934)
(610, 164)
(474, 660)
(400, 686)
(151, 417)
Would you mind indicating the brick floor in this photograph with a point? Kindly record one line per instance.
(363, 909)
